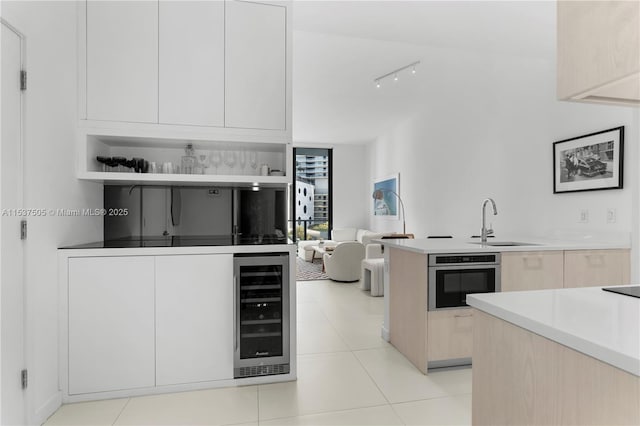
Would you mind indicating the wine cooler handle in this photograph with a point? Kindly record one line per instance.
(236, 320)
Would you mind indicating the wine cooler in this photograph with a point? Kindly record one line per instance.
(261, 314)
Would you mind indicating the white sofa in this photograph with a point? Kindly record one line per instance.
(364, 236)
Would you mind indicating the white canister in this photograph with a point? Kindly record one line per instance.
(264, 170)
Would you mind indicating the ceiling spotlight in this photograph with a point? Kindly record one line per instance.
(378, 84)
(395, 77)
(413, 71)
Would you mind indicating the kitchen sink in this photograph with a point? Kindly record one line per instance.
(504, 243)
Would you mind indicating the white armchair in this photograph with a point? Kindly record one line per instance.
(344, 264)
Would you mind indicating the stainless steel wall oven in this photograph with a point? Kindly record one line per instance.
(453, 276)
(261, 311)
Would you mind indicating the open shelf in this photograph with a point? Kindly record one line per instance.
(117, 178)
(239, 163)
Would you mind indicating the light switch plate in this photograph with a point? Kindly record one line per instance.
(612, 215)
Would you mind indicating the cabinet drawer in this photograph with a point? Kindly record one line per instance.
(449, 334)
(586, 268)
(532, 270)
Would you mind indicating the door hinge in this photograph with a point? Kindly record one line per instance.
(23, 80)
(24, 375)
(23, 229)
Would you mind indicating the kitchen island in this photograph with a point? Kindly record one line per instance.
(433, 334)
(565, 356)
(146, 315)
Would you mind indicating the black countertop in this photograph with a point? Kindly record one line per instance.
(183, 241)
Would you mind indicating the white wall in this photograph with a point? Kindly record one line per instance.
(50, 182)
(486, 130)
(351, 188)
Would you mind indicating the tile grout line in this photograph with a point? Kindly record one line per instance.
(371, 377)
(322, 412)
(121, 411)
(342, 338)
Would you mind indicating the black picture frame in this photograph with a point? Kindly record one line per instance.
(591, 162)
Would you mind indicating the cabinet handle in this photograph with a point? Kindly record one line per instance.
(236, 320)
(529, 264)
(463, 316)
(595, 259)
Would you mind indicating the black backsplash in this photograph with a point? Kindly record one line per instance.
(154, 211)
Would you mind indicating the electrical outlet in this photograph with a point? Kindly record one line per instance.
(584, 216)
(612, 215)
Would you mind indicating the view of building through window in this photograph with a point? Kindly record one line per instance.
(312, 208)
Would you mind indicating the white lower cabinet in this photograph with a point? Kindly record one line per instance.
(111, 326)
(194, 318)
(145, 321)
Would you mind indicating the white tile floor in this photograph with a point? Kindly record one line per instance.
(347, 375)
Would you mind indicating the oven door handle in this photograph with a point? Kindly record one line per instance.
(465, 266)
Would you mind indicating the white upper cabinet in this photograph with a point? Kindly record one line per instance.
(256, 64)
(121, 61)
(222, 66)
(191, 63)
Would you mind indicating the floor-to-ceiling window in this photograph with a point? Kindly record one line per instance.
(311, 210)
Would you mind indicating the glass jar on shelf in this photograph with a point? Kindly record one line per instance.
(189, 161)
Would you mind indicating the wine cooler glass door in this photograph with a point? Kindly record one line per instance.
(262, 310)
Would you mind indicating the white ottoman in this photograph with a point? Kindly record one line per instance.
(373, 276)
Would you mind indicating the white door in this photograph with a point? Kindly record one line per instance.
(194, 318)
(122, 61)
(255, 62)
(191, 62)
(111, 323)
(12, 402)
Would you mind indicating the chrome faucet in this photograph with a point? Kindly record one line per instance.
(485, 231)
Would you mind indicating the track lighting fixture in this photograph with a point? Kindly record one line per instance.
(395, 73)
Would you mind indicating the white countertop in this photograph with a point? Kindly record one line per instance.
(454, 245)
(601, 324)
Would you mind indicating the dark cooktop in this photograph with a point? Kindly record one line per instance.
(627, 290)
(184, 241)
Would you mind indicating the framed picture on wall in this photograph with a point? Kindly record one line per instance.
(385, 197)
(590, 162)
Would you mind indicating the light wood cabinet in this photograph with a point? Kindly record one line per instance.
(537, 270)
(121, 61)
(450, 334)
(408, 305)
(255, 63)
(111, 323)
(194, 324)
(522, 378)
(587, 268)
(426, 336)
(599, 51)
(191, 63)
